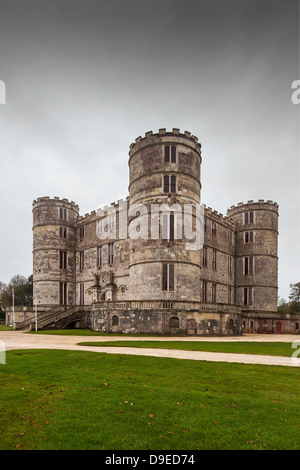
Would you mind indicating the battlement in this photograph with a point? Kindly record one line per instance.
(46, 200)
(261, 203)
(217, 216)
(151, 138)
(101, 211)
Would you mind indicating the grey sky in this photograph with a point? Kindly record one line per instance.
(85, 78)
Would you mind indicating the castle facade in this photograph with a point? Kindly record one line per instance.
(159, 261)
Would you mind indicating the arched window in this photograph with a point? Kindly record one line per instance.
(115, 320)
(174, 322)
(230, 324)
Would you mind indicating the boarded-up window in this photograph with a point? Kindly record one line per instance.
(174, 322)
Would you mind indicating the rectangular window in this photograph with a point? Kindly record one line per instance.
(166, 184)
(214, 228)
(229, 295)
(165, 277)
(62, 213)
(81, 260)
(99, 256)
(171, 227)
(63, 293)
(204, 291)
(168, 227)
(214, 293)
(248, 265)
(111, 253)
(214, 260)
(204, 257)
(81, 232)
(81, 296)
(62, 232)
(171, 277)
(173, 154)
(111, 221)
(169, 184)
(249, 217)
(229, 265)
(63, 260)
(249, 237)
(167, 153)
(168, 277)
(173, 184)
(205, 224)
(229, 236)
(248, 294)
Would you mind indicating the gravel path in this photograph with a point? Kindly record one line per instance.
(20, 340)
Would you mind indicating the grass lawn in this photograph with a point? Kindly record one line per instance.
(271, 349)
(83, 400)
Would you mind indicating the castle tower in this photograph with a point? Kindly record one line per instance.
(54, 251)
(164, 170)
(256, 255)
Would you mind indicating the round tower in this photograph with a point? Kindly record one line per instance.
(256, 255)
(54, 251)
(164, 190)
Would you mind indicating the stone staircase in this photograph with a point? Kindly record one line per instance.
(48, 319)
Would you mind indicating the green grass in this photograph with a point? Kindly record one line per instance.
(83, 400)
(5, 328)
(272, 349)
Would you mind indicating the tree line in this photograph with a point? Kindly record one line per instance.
(293, 304)
(23, 292)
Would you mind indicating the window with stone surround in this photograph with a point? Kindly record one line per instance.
(167, 153)
(99, 256)
(63, 213)
(63, 293)
(230, 265)
(214, 259)
(168, 227)
(63, 256)
(81, 260)
(204, 257)
(214, 228)
(81, 294)
(168, 277)
(169, 185)
(62, 232)
(81, 232)
(204, 291)
(249, 217)
(248, 295)
(248, 265)
(229, 294)
(214, 293)
(111, 253)
(249, 237)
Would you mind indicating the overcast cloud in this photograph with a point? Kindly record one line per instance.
(85, 78)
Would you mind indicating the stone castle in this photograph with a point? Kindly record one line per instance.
(158, 261)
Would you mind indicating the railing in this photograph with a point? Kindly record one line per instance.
(51, 316)
(168, 304)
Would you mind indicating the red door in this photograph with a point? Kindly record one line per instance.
(278, 327)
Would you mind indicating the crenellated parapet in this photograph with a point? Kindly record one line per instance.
(261, 204)
(174, 136)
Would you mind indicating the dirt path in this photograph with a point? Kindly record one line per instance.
(20, 340)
